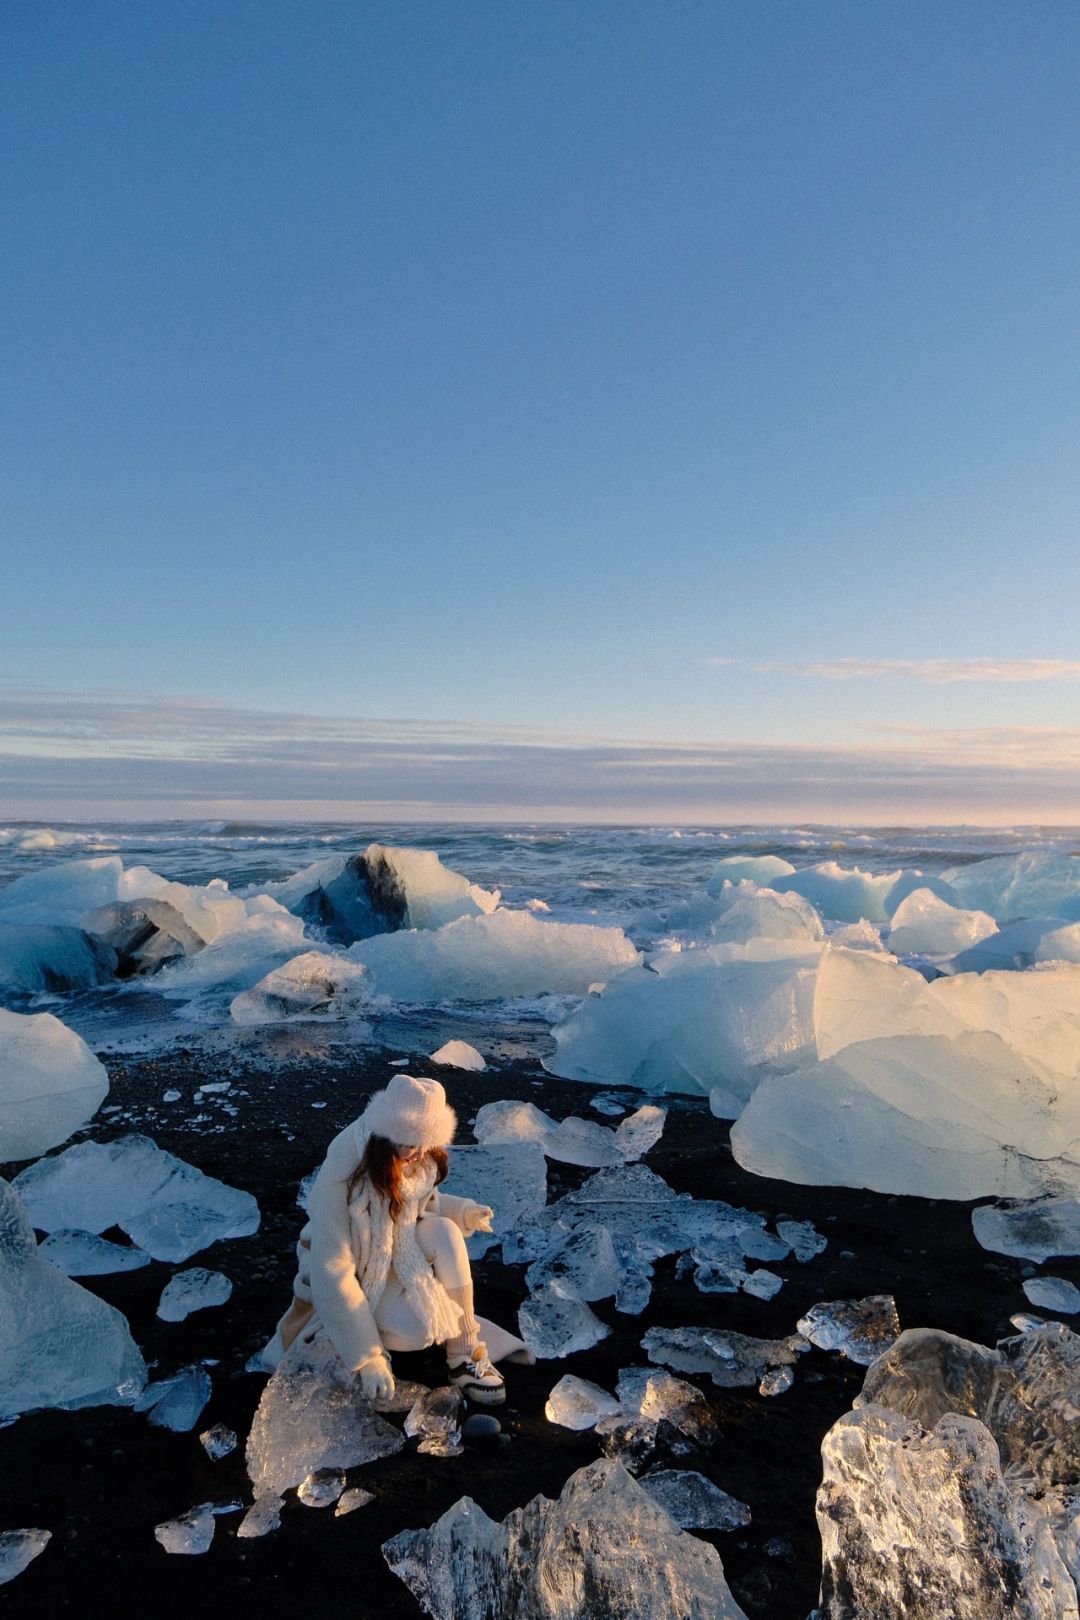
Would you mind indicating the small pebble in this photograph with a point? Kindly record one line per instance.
(481, 1426)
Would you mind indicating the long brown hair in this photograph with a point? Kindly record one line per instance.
(382, 1167)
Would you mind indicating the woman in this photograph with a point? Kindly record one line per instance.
(383, 1261)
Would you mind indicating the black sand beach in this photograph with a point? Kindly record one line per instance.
(100, 1479)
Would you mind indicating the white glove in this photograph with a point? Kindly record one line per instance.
(376, 1380)
(477, 1218)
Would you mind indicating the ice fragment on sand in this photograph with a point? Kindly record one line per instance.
(762, 1284)
(511, 1179)
(311, 1416)
(313, 984)
(585, 1260)
(506, 1122)
(575, 1403)
(1025, 1322)
(803, 1238)
(639, 1132)
(176, 1403)
(693, 1501)
(604, 1545)
(84, 1254)
(659, 1398)
(355, 1497)
(190, 1533)
(631, 1441)
(218, 1442)
(34, 958)
(1033, 1229)
(460, 1055)
(607, 1105)
(59, 1344)
(322, 1488)
(729, 1359)
(776, 1382)
(19, 1548)
(192, 1290)
(860, 1328)
(167, 1207)
(262, 1517)
(52, 1084)
(555, 1321)
(436, 1421)
(1053, 1294)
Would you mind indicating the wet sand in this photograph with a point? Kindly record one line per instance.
(100, 1479)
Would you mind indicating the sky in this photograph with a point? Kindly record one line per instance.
(580, 411)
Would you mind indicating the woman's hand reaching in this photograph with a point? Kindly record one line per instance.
(376, 1380)
(477, 1218)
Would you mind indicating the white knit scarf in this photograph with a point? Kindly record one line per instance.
(382, 1241)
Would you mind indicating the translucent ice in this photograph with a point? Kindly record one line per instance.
(1034, 1229)
(841, 893)
(322, 1488)
(311, 1416)
(261, 1518)
(776, 1382)
(584, 1142)
(61, 893)
(575, 1403)
(459, 1055)
(555, 1321)
(176, 1403)
(658, 1397)
(35, 958)
(1032, 883)
(1017, 946)
(265, 939)
(748, 913)
(190, 1533)
(923, 923)
(803, 1238)
(143, 934)
(355, 1497)
(435, 1421)
(729, 1359)
(510, 1121)
(18, 1548)
(357, 896)
(585, 1259)
(192, 1290)
(52, 1084)
(83, 1254)
(1053, 1294)
(861, 1328)
(510, 1178)
(218, 1442)
(59, 1344)
(693, 1501)
(762, 1284)
(639, 1132)
(604, 1547)
(310, 985)
(167, 1207)
(484, 958)
(748, 868)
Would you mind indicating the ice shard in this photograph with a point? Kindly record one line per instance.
(1030, 1229)
(604, 1548)
(322, 1488)
(860, 1328)
(53, 1083)
(84, 1254)
(176, 1403)
(190, 1533)
(18, 1548)
(555, 1321)
(36, 958)
(435, 1420)
(1053, 1294)
(193, 1290)
(575, 1403)
(693, 1501)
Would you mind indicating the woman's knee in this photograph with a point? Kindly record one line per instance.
(441, 1240)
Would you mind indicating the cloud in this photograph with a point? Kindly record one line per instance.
(936, 671)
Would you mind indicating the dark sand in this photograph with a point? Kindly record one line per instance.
(100, 1479)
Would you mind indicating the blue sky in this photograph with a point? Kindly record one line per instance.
(697, 383)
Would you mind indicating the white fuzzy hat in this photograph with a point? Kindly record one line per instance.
(411, 1112)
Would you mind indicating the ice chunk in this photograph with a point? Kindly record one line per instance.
(860, 1328)
(847, 895)
(584, 1142)
(1034, 1229)
(729, 1359)
(1031, 883)
(354, 897)
(52, 1083)
(510, 1178)
(264, 940)
(509, 953)
(190, 1533)
(176, 1403)
(311, 1416)
(913, 878)
(747, 913)
(143, 934)
(585, 1259)
(218, 1442)
(307, 986)
(355, 1497)
(860, 936)
(1053, 1294)
(61, 893)
(36, 958)
(924, 924)
(639, 1132)
(261, 1518)
(83, 1254)
(748, 868)
(167, 1207)
(607, 1104)
(555, 1321)
(762, 1284)
(498, 1122)
(718, 1015)
(192, 1290)
(18, 1548)
(859, 998)
(573, 1140)
(459, 1055)
(777, 1382)
(59, 1344)
(693, 1501)
(575, 1403)
(658, 1398)
(605, 1546)
(803, 1238)
(1018, 946)
(630, 1441)
(435, 1421)
(322, 1488)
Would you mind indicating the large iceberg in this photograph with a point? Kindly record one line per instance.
(604, 1548)
(484, 958)
(59, 1344)
(52, 1084)
(35, 957)
(167, 1207)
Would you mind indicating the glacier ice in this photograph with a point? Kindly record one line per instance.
(1030, 1229)
(261, 1518)
(1017, 946)
(459, 1055)
(167, 1207)
(1053, 1294)
(575, 1403)
(511, 1178)
(860, 1328)
(693, 1501)
(84, 1254)
(923, 924)
(803, 1239)
(715, 1016)
(35, 957)
(845, 894)
(640, 1131)
(354, 897)
(1031, 883)
(59, 1344)
(355, 1497)
(62, 893)
(18, 1548)
(912, 878)
(311, 1416)
(485, 958)
(435, 1420)
(176, 1403)
(605, 1547)
(730, 1359)
(306, 986)
(218, 1441)
(264, 940)
(192, 1290)
(750, 913)
(659, 1398)
(322, 1488)
(53, 1083)
(748, 869)
(190, 1533)
(143, 934)
(501, 1122)
(585, 1259)
(555, 1321)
